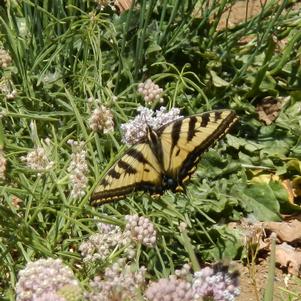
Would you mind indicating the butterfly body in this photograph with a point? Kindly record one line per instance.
(166, 158)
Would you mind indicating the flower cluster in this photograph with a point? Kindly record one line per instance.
(172, 288)
(215, 283)
(46, 278)
(119, 282)
(5, 58)
(15, 201)
(140, 229)
(150, 91)
(38, 160)
(183, 272)
(78, 169)
(100, 245)
(2, 165)
(102, 120)
(136, 129)
(7, 88)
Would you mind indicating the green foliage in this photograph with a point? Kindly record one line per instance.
(64, 53)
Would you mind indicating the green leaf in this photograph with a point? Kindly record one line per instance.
(240, 142)
(153, 47)
(218, 81)
(262, 199)
(228, 242)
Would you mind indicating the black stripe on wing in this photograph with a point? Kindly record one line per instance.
(175, 134)
(126, 167)
(189, 164)
(191, 130)
(137, 155)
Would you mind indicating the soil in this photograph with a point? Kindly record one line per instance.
(243, 10)
(284, 286)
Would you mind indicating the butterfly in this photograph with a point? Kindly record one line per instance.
(165, 158)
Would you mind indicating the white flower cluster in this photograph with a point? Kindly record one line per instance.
(78, 169)
(136, 129)
(140, 229)
(119, 282)
(216, 283)
(172, 288)
(208, 284)
(150, 91)
(2, 165)
(183, 272)
(5, 58)
(43, 278)
(102, 120)
(38, 160)
(7, 88)
(100, 245)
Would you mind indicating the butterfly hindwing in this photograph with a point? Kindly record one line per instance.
(137, 169)
(185, 139)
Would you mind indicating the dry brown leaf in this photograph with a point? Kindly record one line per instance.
(287, 184)
(296, 183)
(268, 109)
(289, 257)
(124, 5)
(247, 39)
(286, 231)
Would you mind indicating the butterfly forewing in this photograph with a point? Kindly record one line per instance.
(184, 140)
(137, 169)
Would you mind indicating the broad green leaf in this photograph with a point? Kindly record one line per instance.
(263, 201)
(153, 47)
(218, 81)
(241, 142)
(228, 243)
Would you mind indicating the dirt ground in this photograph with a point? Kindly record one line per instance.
(282, 283)
(245, 9)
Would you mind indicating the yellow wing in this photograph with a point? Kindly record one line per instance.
(184, 140)
(137, 169)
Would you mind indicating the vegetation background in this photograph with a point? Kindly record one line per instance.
(61, 60)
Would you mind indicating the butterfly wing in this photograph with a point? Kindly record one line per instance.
(184, 140)
(138, 169)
